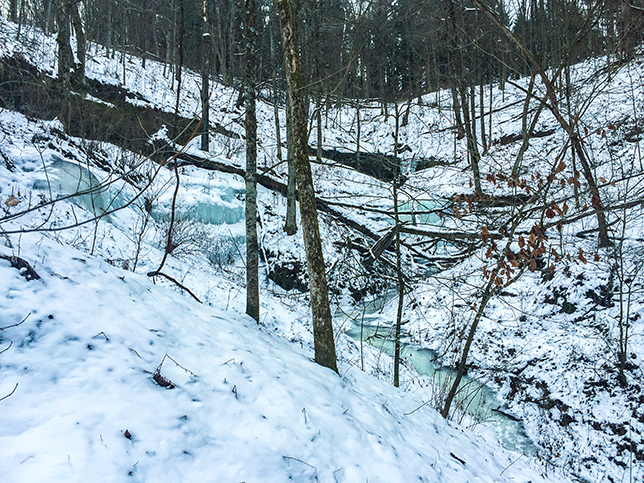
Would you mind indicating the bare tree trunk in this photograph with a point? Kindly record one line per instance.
(469, 122)
(79, 69)
(526, 131)
(482, 104)
(181, 35)
(456, 106)
(21, 18)
(205, 80)
(276, 114)
(65, 54)
(358, 134)
(276, 109)
(252, 245)
(65, 58)
(318, 119)
(13, 11)
(401, 281)
(291, 196)
(323, 339)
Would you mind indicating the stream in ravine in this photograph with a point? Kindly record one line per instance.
(369, 326)
(481, 402)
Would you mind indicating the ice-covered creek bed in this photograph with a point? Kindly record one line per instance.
(217, 205)
(369, 325)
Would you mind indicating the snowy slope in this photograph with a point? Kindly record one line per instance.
(252, 407)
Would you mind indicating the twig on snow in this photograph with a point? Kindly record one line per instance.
(11, 393)
(176, 282)
(457, 458)
(304, 463)
(8, 347)
(15, 325)
(163, 381)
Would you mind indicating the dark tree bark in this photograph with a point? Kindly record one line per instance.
(65, 58)
(252, 245)
(399, 274)
(460, 95)
(276, 114)
(205, 80)
(321, 313)
(290, 226)
(180, 47)
(13, 11)
(65, 54)
(79, 68)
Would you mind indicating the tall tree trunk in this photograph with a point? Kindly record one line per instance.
(358, 135)
(205, 80)
(252, 245)
(48, 16)
(79, 69)
(482, 119)
(323, 339)
(276, 109)
(13, 11)
(469, 122)
(401, 281)
(65, 54)
(276, 114)
(181, 35)
(318, 119)
(21, 18)
(291, 195)
(65, 58)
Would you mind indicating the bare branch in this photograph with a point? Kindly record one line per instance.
(15, 325)
(176, 282)
(11, 393)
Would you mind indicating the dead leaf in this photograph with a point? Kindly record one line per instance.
(12, 201)
(484, 233)
(561, 167)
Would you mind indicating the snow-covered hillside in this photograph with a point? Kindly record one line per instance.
(246, 406)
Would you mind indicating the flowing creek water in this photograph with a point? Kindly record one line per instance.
(366, 325)
(369, 325)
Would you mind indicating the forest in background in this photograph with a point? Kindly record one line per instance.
(354, 50)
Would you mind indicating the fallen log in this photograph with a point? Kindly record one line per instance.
(324, 206)
(273, 185)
